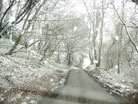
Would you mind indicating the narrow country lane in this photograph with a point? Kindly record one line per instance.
(81, 89)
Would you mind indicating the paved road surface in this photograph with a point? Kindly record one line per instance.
(81, 89)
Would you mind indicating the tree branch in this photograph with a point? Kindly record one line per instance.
(123, 22)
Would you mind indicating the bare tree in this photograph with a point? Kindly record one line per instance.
(96, 21)
(26, 26)
(126, 28)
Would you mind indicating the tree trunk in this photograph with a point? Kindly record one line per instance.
(101, 35)
(15, 45)
(25, 27)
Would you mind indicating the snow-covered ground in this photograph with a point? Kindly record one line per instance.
(23, 78)
(117, 83)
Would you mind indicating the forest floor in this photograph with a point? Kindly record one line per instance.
(115, 83)
(23, 80)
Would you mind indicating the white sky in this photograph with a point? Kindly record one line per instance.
(78, 6)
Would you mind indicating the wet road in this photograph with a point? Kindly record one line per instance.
(81, 89)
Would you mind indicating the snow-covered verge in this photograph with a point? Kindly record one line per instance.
(23, 79)
(118, 84)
